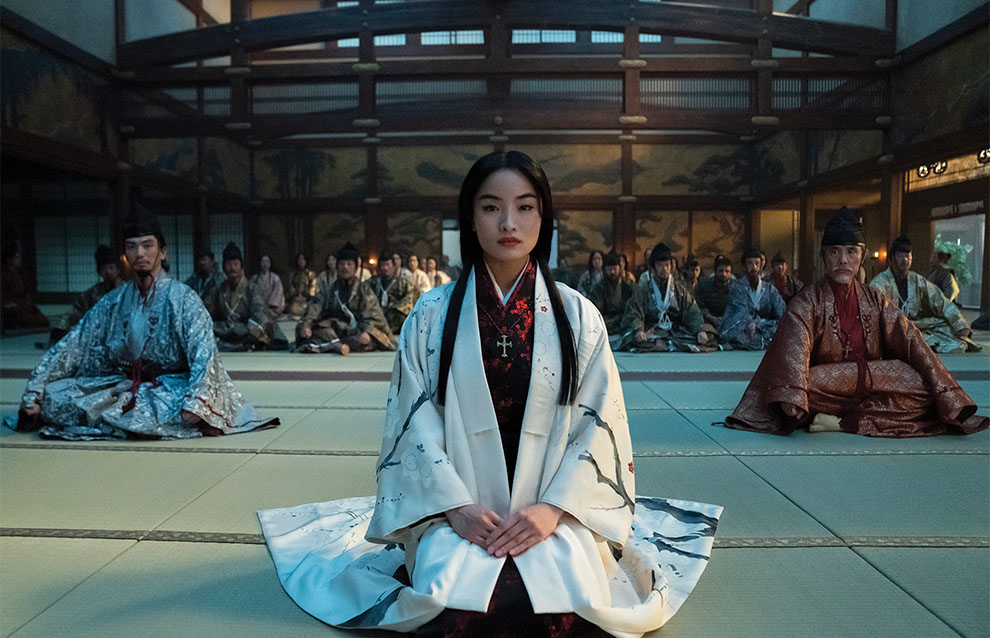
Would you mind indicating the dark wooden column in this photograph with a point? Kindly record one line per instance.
(985, 289)
(624, 220)
(891, 205)
(806, 268)
(240, 12)
(375, 218)
(763, 60)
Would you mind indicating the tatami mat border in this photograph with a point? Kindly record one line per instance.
(628, 376)
(727, 543)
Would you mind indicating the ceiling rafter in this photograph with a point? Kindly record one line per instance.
(701, 21)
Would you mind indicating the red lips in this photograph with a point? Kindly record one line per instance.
(509, 241)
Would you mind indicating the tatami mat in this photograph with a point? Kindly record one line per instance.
(159, 589)
(36, 572)
(826, 535)
(951, 582)
(753, 509)
(274, 480)
(799, 593)
(95, 489)
(927, 495)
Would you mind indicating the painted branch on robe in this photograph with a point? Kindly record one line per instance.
(618, 485)
(685, 516)
(387, 461)
(662, 545)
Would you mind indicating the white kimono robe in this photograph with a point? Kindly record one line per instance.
(338, 565)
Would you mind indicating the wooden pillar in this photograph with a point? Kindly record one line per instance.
(240, 12)
(375, 218)
(808, 253)
(763, 60)
(891, 204)
(985, 288)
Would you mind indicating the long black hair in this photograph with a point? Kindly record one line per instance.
(472, 256)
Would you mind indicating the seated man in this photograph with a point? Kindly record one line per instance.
(662, 316)
(208, 276)
(19, 312)
(142, 363)
(394, 293)
(240, 320)
(844, 358)
(786, 284)
(611, 294)
(754, 308)
(346, 316)
(713, 292)
(939, 319)
(108, 268)
(690, 275)
(943, 276)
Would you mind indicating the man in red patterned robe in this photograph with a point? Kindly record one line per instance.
(845, 359)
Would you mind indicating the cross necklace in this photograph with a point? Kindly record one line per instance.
(504, 342)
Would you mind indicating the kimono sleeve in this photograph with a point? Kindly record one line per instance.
(692, 319)
(205, 395)
(82, 352)
(940, 306)
(416, 479)
(903, 340)
(737, 313)
(789, 355)
(594, 481)
(634, 318)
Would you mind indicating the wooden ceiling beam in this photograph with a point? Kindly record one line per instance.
(444, 68)
(701, 21)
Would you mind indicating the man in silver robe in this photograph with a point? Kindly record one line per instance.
(346, 317)
(141, 364)
(240, 320)
(394, 292)
(754, 308)
(208, 275)
(944, 327)
(108, 268)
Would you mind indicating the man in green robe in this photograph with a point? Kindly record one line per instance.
(108, 267)
(662, 316)
(941, 323)
(240, 322)
(394, 293)
(611, 294)
(346, 316)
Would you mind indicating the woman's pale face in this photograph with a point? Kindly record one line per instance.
(266, 264)
(507, 217)
(597, 261)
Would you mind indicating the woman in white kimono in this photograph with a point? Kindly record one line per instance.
(508, 512)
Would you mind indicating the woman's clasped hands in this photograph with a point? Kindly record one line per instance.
(504, 537)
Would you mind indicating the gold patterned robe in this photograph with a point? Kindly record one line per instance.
(909, 391)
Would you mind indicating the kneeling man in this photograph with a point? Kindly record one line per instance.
(345, 316)
(240, 320)
(844, 358)
(142, 363)
(662, 316)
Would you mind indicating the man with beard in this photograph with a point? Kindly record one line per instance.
(142, 363)
(713, 292)
(240, 320)
(846, 359)
(394, 293)
(787, 285)
(663, 316)
(939, 319)
(208, 276)
(345, 317)
(108, 268)
(611, 294)
(754, 308)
